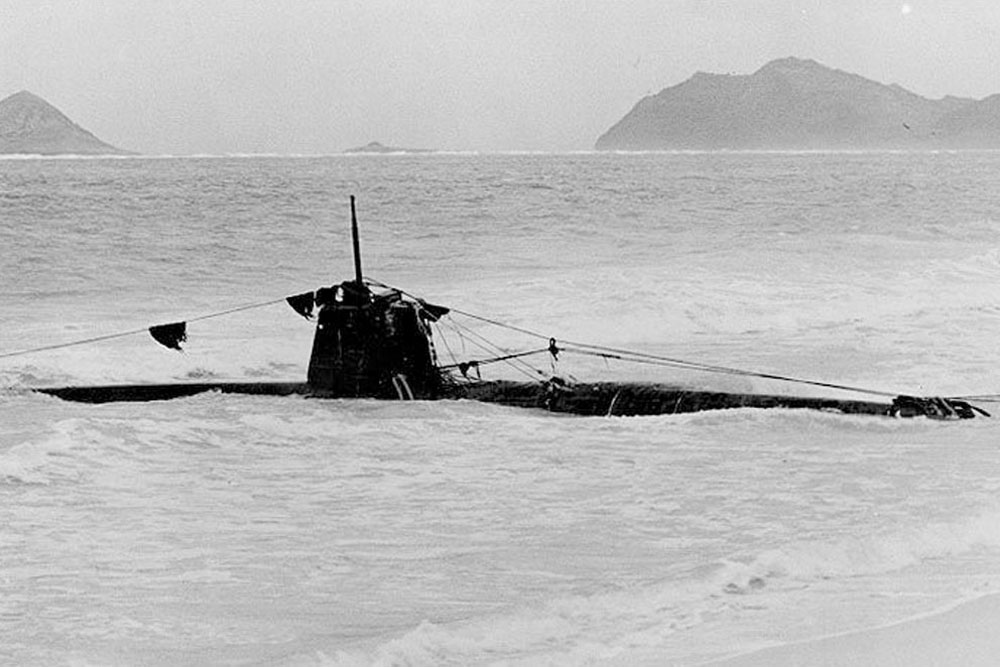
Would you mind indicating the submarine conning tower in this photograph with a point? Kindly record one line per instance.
(371, 345)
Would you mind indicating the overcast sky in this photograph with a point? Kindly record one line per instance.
(305, 76)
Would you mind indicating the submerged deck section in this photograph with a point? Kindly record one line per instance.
(121, 393)
(638, 399)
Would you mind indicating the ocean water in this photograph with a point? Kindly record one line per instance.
(235, 530)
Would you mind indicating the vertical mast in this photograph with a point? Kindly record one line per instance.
(357, 246)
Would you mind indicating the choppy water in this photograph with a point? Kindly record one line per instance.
(278, 531)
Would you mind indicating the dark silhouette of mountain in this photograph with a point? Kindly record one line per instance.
(30, 125)
(376, 147)
(800, 104)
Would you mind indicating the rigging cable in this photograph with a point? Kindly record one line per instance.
(459, 328)
(981, 398)
(641, 357)
(133, 332)
(486, 345)
(506, 357)
(444, 341)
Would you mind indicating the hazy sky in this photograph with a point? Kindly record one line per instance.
(216, 76)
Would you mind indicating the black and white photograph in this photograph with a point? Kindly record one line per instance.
(509, 333)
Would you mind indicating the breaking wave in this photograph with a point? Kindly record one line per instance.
(588, 629)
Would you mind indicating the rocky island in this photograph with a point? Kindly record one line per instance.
(30, 125)
(376, 147)
(800, 104)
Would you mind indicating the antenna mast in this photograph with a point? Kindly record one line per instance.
(357, 245)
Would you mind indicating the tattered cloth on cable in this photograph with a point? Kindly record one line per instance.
(170, 335)
(303, 304)
(431, 311)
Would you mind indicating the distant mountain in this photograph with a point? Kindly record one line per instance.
(376, 147)
(799, 104)
(30, 125)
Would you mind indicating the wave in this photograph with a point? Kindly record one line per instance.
(40, 462)
(856, 556)
(589, 629)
